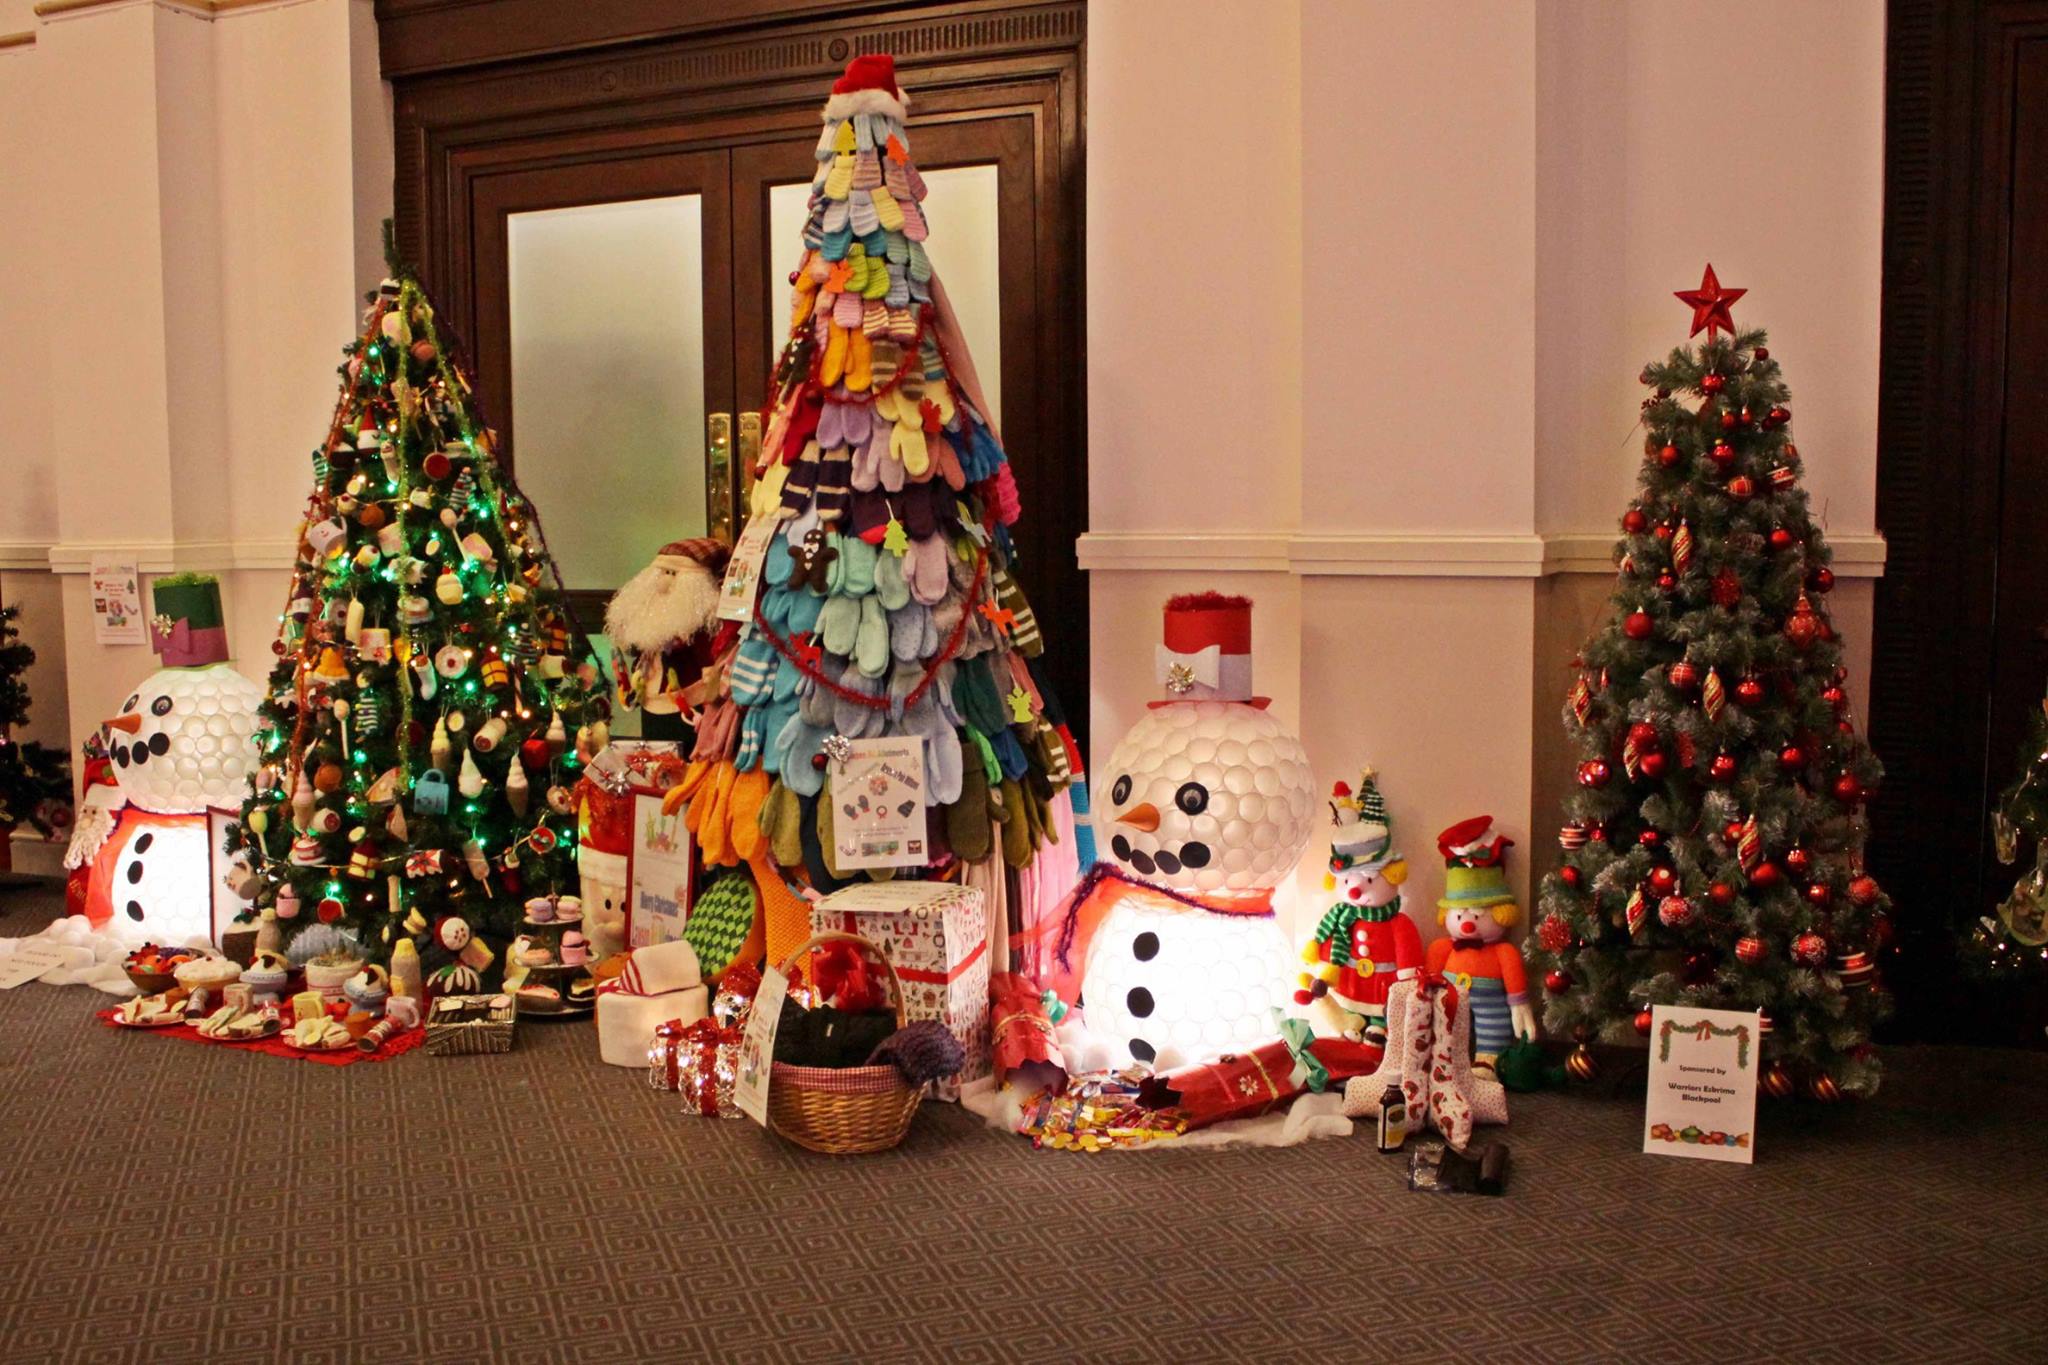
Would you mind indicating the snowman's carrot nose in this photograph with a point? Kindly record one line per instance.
(1143, 816)
(130, 723)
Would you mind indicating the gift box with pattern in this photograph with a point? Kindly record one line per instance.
(936, 937)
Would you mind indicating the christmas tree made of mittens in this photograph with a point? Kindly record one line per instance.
(887, 603)
(416, 760)
(1714, 846)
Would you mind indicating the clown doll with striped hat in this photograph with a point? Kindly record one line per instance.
(1363, 942)
(1476, 911)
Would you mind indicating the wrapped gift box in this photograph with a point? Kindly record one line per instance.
(936, 937)
(661, 982)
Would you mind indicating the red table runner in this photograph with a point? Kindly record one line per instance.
(276, 1046)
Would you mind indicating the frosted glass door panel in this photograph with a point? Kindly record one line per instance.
(607, 348)
(961, 209)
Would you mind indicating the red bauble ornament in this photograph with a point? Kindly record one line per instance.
(1554, 934)
(1653, 764)
(1713, 383)
(1728, 421)
(1749, 691)
(1835, 697)
(1782, 539)
(1669, 456)
(1569, 876)
(1643, 733)
(1810, 949)
(1638, 625)
(1721, 893)
(1762, 353)
(1766, 874)
(1634, 521)
(1644, 1018)
(1821, 579)
(1777, 416)
(1557, 982)
(1803, 626)
(1662, 880)
(1864, 891)
(1742, 488)
(1683, 676)
(436, 465)
(1819, 894)
(1594, 772)
(1732, 831)
(1722, 455)
(1650, 838)
(1797, 860)
(1791, 758)
(1824, 1089)
(1675, 912)
(423, 351)
(329, 910)
(1750, 950)
(1722, 769)
(1666, 581)
(1662, 531)
(1848, 790)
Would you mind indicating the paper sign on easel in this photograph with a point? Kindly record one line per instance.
(743, 570)
(878, 797)
(757, 1047)
(1702, 1100)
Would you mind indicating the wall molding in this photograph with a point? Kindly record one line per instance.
(199, 9)
(1318, 554)
(174, 556)
(25, 38)
(25, 555)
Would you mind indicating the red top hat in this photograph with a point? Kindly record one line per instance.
(1206, 654)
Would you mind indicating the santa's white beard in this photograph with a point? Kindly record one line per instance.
(661, 607)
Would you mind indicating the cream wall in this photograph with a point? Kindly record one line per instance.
(202, 195)
(1496, 202)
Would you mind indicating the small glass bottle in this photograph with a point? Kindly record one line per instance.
(1393, 1125)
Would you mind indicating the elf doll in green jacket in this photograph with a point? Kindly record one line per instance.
(1363, 942)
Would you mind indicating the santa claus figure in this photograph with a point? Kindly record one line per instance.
(661, 626)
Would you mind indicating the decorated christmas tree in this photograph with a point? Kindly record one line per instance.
(1714, 847)
(35, 780)
(886, 602)
(2017, 939)
(429, 713)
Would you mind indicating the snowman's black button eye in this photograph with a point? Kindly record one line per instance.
(1192, 798)
(129, 705)
(1121, 792)
(161, 706)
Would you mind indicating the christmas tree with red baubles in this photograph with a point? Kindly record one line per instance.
(432, 704)
(1714, 845)
(886, 602)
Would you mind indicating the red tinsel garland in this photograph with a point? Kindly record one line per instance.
(847, 694)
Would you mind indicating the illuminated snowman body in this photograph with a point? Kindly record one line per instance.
(1214, 801)
(183, 742)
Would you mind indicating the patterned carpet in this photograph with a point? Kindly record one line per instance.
(169, 1203)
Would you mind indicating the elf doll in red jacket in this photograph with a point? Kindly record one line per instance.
(1476, 911)
(1363, 942)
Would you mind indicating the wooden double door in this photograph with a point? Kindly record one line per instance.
(612, 234)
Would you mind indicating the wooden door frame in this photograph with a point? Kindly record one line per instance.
(1940, 412)
(475, 80)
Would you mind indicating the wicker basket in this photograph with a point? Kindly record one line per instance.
(842, 1110)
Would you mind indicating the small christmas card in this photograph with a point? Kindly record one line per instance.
(743, 570)
(878, 800)
(757, 1047)
(1702, 1101)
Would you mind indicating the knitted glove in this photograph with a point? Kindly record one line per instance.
(856, 566)
(850, 718)
(839, 624)
(925, 569)
(911, 633)
(892, 590)
(1017, 845)
(778, 818)
(970, 827)
(749, 792)
(795, 746)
